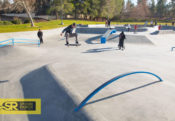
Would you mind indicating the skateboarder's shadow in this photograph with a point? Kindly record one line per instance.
(98, 50)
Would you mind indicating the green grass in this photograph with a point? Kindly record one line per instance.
(54, 24)
(42, 25)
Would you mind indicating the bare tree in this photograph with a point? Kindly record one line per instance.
(21, 5)
(142, 9)
(128, 10)
(4, 5)
(25, 4)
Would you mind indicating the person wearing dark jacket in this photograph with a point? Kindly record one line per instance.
(122, 37)
(68, 33)
(40, 35)
(109, 23)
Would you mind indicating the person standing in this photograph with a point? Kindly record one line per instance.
(159, 27)
(40, 36)
(109, 23)
(156, 23)
(152, 23)
(122, 37)
(68, 33)
(135, 28)
(129, 27)
(146, 23)
(173, 25)
(106, 23)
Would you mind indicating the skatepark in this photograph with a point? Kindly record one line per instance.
(64, 76)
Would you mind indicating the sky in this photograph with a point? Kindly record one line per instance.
(135, 1)
(9, 0)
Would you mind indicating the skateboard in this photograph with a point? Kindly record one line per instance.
(72, 45)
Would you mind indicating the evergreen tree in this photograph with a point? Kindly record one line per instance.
(172, 4)
(153, 8)
(60, 7)
(110, 8)
(42, 6)
(94, 8)
(161, 8)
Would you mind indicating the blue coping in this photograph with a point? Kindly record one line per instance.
(13, 41)
(6, 40)
(104, 38)
(6, 44)
(83, 103)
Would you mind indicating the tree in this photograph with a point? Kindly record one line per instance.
(139, 1)
(142, 9)
(94, 8)
(129, 6)
(60, 7)
(128, 9)
(1, 3)
(161, 8)
(79, 6)
(110, 8)
(5, 6)
(119, 4)
(42, 6)
(27, 6)
(153, 8)
(172, 8)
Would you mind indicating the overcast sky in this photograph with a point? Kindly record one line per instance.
(135, 1)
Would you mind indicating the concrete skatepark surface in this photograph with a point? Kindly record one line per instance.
(63, 76)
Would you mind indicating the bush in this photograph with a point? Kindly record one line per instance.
(128, 20)
(6, 23)
(17, 21)
(26, 21)
(1, 23)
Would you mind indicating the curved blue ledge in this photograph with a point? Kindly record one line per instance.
(83, 103)
(106, 35)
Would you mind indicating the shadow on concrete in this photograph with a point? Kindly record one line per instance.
(99, 50)
(4, 81)
(6, 46)
(81, 25)
(94, 40)
(86, 30)
(140, 29)
(57, 104)
(122, 93)
(74, 45)
(97, 39)
(155, 33)
(131, 39)
(113, 37)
